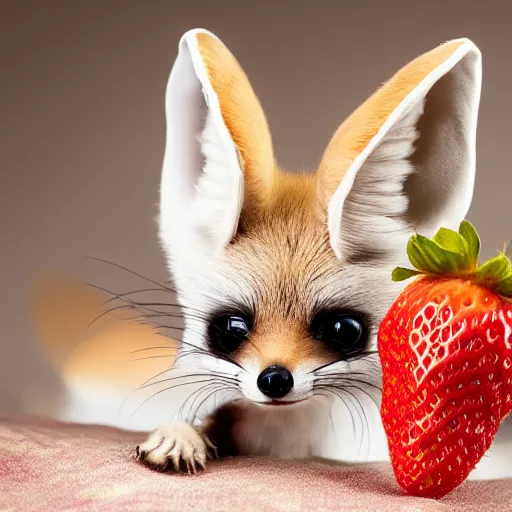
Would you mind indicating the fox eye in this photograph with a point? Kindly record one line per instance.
(344, 332)
(227, 332)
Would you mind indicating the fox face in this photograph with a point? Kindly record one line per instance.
(284, 277)
(280, 304)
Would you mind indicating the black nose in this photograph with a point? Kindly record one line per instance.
(275, 381)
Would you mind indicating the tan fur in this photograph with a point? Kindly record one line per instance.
(243, 116)
(357, 131)
(287, 243)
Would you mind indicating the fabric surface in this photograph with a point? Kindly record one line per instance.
(49, 466)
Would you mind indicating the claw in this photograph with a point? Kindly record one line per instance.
(176, 462)
(201, 464)
(185, 450)
(209, 444)
(139, 454)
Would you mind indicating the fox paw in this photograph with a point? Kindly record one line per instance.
(177, 446)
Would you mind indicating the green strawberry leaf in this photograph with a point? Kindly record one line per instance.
(401, 274)
(428, 256)
(468, 232)
(504, 287)
(456, 255)
(494, 271)
(451, 241)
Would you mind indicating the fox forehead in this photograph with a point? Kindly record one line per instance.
(284, 257)
(284, 250)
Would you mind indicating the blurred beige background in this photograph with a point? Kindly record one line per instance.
(82, 124)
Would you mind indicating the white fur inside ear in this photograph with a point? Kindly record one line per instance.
(215, 204)
(376, 205)
(201, 190)
(381, 200)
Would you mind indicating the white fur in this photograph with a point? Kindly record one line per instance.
(374, 210)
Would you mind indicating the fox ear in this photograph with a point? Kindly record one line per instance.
(218, 155)
(405, 160)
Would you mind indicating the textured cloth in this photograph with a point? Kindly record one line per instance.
(49, 466)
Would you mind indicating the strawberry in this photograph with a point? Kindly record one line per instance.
(446, 352)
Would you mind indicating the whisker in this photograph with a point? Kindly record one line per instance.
(342, 359)
(371, 397)
(216, 386)
(342, 385)
(345, 372)
(133, 292)
(158, 326)
(345, 385)
(158, 315)
(342, 378)
(216, 356)
(148, 383)
(194, 394)
(107, 312)
(204, 374)
(117, 265)
(334, 392)
(150, 357)
(196, 412)
(134, 307)
(154, 348)
(164, 390)
(361, 418)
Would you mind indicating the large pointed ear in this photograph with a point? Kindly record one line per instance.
(406, 158)
(218, 155)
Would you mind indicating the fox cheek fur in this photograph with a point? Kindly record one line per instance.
(249, 243)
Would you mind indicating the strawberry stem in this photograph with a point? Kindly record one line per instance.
(454, 254)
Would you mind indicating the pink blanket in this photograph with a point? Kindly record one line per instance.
(49, 466)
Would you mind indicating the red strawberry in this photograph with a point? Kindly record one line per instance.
(446, 352)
